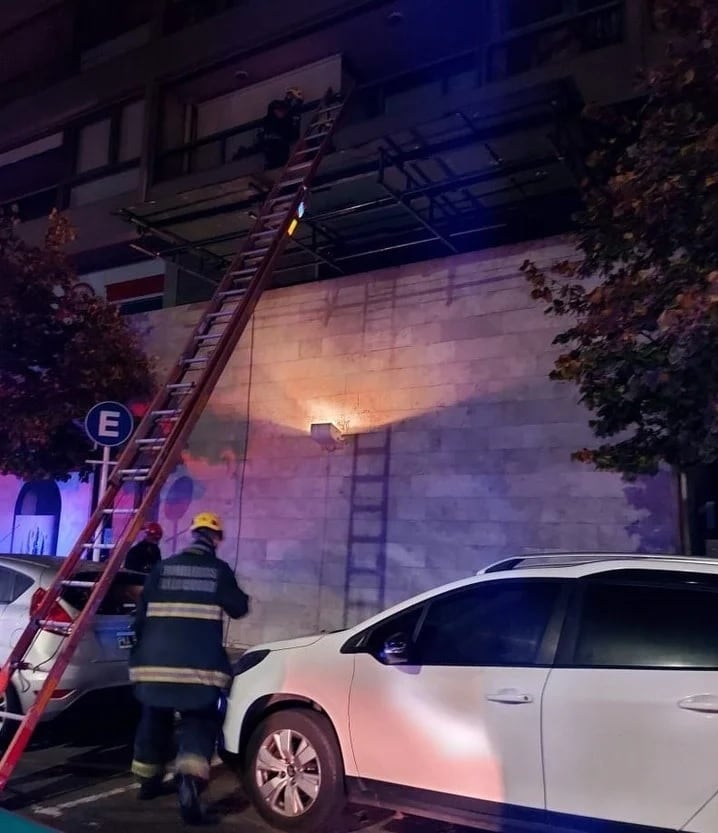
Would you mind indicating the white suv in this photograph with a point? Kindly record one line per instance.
(557, 690)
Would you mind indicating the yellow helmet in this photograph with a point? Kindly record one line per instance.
(207, 520)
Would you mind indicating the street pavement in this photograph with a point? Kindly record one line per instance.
(75, 778)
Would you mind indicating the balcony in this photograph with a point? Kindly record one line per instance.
(561, 38)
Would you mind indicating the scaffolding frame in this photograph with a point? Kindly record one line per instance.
(444, 213)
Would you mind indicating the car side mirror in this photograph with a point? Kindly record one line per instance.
(396, 650)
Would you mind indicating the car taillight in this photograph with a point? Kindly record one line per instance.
(57, 620)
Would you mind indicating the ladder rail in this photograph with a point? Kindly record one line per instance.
(157, 454)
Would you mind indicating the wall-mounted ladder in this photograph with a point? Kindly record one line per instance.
(154, 449)
(365, 581)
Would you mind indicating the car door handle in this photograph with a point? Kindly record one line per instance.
(707, 703)
(511, 696)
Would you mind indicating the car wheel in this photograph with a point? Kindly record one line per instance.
(293, 772)
(9, 702)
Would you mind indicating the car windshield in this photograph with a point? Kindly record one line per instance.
(120, 600)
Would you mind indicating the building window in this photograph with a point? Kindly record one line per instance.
(520, 13)
(112, 139)
(37, 519)
(560, 37)
(93, 146)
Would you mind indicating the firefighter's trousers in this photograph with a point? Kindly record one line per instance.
(157, 739)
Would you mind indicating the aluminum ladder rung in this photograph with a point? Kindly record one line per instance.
(196, 360)
(209, 336)
(228, 293)
(177, 385)
(92, 546)
(53, 623)
(304, 151)
(275, 215)
(120, 511)
(68, 582)
(302, 166)
(12, 716)
(289, 183)
(143, 470)
(227, 313)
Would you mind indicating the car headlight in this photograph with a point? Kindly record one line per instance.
(248, 661)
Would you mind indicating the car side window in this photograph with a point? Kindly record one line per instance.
(491, 624)
(651, 622)
(403, 623)
(12, 585)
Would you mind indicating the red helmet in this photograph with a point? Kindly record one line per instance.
(153, 531)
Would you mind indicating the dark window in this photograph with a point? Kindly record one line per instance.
(496, 623)
(657, 623)
(404, 623)
(526, 12)
(12, 585)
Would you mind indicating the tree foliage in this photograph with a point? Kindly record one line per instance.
(62, 350)
(642, 295)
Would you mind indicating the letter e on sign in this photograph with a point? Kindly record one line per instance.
(109, 424)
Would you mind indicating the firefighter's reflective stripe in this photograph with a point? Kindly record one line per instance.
(188, 578)
(143, 770)
(188, 676)
(196, 765)
(184, 610)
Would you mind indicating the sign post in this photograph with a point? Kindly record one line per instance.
(107, 424)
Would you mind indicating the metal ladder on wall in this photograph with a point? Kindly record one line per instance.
(155, 447)
(365, 581)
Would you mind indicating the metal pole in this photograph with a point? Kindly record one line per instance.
(104, 477)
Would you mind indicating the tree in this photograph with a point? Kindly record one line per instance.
(642, 294)
(61, 351)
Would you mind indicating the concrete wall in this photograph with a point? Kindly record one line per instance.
(452, 356)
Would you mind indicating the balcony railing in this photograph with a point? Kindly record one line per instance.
(558, 40)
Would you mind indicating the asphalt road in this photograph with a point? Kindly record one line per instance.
(75, 778)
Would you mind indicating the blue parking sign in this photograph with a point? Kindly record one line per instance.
(109, 424)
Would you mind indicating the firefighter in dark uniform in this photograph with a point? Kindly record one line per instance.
(281, 128)
(145, 555)
(179, 664)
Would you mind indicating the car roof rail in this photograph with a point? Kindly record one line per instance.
(575, 559)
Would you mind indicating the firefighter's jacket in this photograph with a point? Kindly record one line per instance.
(179, 660)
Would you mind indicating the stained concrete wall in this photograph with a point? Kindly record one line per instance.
(452, 356)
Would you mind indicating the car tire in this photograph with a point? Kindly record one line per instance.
(9, 702)
(278, 793)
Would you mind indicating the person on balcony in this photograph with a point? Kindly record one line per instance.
(281, 128)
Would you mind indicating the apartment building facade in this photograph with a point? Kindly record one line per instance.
(398, 312)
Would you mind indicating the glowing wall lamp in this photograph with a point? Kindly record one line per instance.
(328, 436)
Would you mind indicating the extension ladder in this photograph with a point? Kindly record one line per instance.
(155, 447)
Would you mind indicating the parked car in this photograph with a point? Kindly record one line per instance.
(559, 691)
(101, 659)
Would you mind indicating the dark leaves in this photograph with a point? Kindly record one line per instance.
(61, 351)
(642, 297)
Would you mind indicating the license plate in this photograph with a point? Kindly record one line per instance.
(125, 641)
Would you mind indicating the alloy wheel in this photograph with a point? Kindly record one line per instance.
(288, 773)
